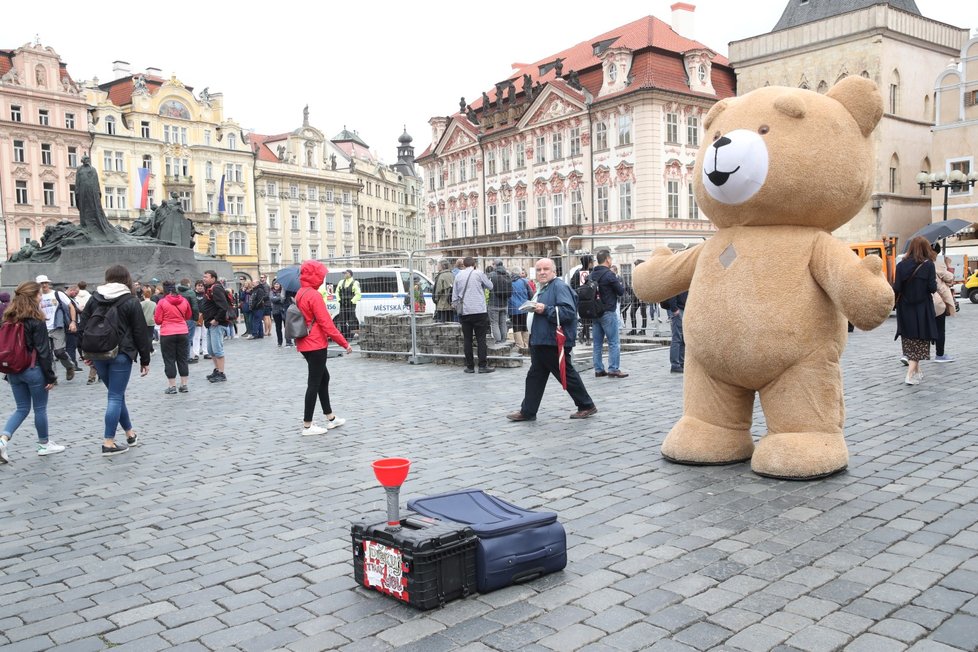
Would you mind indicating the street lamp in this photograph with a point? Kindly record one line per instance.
(956, 181)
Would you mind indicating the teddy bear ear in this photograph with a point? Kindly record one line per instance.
(862, 99)
(715, 111)
(791, 106)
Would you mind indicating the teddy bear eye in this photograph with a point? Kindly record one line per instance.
(716, 135)
(763, 129)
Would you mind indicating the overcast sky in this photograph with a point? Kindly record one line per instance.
(371, 66)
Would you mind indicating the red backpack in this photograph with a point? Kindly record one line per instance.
(14, 356)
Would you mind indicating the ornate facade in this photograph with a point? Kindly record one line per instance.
(816, 44)
(599, 139)
(43, 135)
(189, 147)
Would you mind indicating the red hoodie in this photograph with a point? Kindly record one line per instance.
(172, 313)
(310, 302)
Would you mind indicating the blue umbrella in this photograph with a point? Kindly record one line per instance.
(289, 278)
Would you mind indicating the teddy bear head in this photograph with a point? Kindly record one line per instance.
(788, 156)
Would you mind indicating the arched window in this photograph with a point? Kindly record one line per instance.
(927, 111)
(237, 243)
(232, 141)
(110, 125)
(212, 243)
(894, 174)
(843, 76)
(894, 96)
(864, 73)
(823, 87)
(925, 168)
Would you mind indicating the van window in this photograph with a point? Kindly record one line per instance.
(384, 282)
(406, 281)
(874, 250)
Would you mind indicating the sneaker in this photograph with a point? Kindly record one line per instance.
(183, 389)
(313, 430)
(109, 451)
(170, 390)
(193, 360)
(4, 458)
(212, 374)
(92, 381)
(207, 356)
(469, 370)
(486, 370)
(943, 358)
(69, 373)
(335, 422)
(905, 361)
(218, 378)
(133, 440)
(49, 448)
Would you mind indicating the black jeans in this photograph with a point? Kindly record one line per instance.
(478, 324)
(636, 307)
(279, 321)
(940, 334)
(174, 349)
(317, 383)
(543, 364)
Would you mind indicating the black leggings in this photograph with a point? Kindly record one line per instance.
(174, 349)
(317, 384)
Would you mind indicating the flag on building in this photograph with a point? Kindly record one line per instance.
(220, 198)
(142, 188)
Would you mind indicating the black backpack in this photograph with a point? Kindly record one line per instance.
(100, 332)
(589, 303)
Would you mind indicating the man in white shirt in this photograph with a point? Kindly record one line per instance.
(61, 316)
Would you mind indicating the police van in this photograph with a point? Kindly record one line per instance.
(383, 290)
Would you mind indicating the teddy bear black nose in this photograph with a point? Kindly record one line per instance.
(720, 142)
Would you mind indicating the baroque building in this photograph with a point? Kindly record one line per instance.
(815, 44)
(598, 139)
(43, 134)
(143, 121)
(306, 198)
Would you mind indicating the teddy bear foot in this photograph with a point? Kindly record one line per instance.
(800, 455)
(696, 442)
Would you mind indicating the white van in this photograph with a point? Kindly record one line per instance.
(382, 290)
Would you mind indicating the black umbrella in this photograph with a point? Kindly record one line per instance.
(288, 277)
(938, 231)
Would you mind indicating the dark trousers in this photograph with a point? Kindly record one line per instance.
(940, 334)
(635, 308)
(445, 316)
(258, 324)
(477, 324)
(279, 321)
(677, 347)
(174, 350)
(346, 321)
(246, 315)
(71, 346)
(543, 364)
(317, 383)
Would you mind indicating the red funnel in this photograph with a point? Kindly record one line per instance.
(391, 471)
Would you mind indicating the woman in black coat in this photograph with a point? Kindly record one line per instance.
(916, 282)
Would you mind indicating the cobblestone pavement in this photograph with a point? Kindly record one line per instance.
(224, 529)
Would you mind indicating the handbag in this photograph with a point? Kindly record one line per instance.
(458, 305)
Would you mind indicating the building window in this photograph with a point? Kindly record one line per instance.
(148, 162)
(692, 131)
(672, 199)
(43, 117)
(504, 158)
(575, 141)
(273, 250)
(347, 224)
(19, 156)
(491, 161)
(601, 206)
(475, 221)
(964, 167)
(15, 115)
(21, 192)
(207, 137)
(110, 125)
(541, 150)
(120, 162)
(72, 198)
(270, 189)
(453, 220)
(672, 128)
(237, 243)
(107, 161)
(624, 130)
(313, 251)
(329, 223)
(72, 157)
(473, 168)
(451, 173)
(600, 136)
(557, 145)
(295, 254)
(312, 194)
(492, 218)
(48, 193)
(893, 180)
(541, 210)
(120, 195)
(238, 173)
(166, 133)
(110, 197)
(212, 243)
(313, 222)
(210, 203)
(520, 154)
(45, 154)
(521, 215)
(577, 207)
(558, 208)
(69, 120)
(144, 129)
(625, 201)
(507, 217)
(272, 220)
(295, 221)
(462, 171)
(431, 183)
(232, 141)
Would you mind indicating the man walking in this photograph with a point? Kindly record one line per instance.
(502, 288)
(677, 348)
(442, 293)
(215, 311)
(556, 303)
(71, 335)
(259, 300)
(470, 286)
(61, 318)
(348, 291)
(606, 326)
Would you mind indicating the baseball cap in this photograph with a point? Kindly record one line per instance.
(42, 279)
(350, 272)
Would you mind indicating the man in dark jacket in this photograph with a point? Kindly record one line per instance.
(606, 326)
(502, 288)
(677, 348)
(259, 301)
(215, 308)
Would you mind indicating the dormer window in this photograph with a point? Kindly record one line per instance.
(612, 72)
(701, 73)
(698, 64)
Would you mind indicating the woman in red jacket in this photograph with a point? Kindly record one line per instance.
(313, 346)
(172, 313)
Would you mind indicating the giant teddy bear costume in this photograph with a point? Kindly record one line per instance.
(770, 292)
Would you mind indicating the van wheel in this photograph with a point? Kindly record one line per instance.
(973, 296)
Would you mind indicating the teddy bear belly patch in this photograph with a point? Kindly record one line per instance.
(728, 256)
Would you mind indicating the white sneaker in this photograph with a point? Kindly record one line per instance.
(335, 423)
(4, 458)
(49, 448)
(905, 361)
(313, 430)
(912, 379)
(943, 358)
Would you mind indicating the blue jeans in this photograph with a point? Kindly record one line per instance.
(115, 374)
(28, 388)
(191, 329)
(215, 341)
(677, 348)
(257, 323)
(606, 326)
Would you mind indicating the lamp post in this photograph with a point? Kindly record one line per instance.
(956, 181)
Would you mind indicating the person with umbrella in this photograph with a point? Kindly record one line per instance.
(552, 338)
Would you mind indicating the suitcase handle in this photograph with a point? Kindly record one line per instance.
(530, 556)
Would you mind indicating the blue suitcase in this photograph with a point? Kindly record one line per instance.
(515, 544)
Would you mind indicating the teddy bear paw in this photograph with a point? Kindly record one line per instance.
(696, 442)
(800, 455)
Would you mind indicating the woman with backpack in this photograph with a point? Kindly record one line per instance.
(313, 346)
(172, 313)
(30, 378)
(521, 294)
(112, 334)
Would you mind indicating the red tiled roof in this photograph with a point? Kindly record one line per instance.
(6, 61)
(120, 90)
(258, 141)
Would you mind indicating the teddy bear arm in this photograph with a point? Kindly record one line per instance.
(854, 285)
(664, 275)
